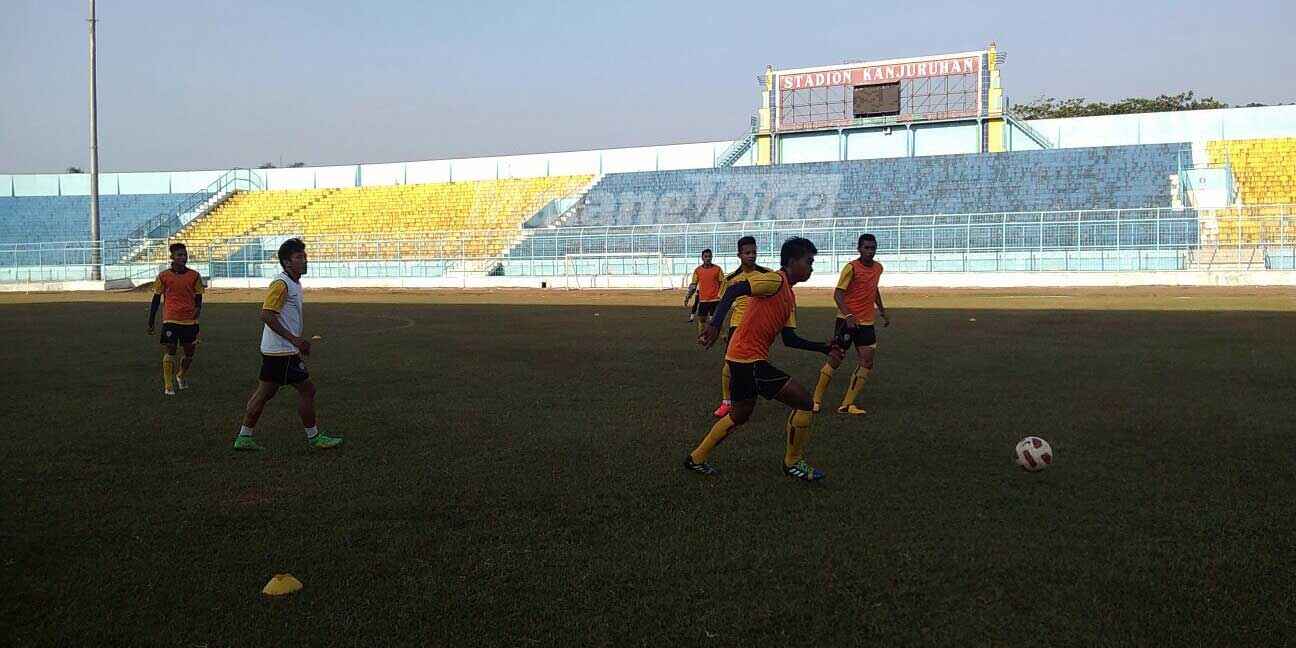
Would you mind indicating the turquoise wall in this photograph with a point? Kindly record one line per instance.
(947, 139)
(824, 146)
(875, 143)
(871, 144)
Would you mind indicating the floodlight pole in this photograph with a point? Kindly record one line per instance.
(96, 259)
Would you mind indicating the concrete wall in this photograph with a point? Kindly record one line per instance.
(643, 158)
(1166, 128)
(935, 139)
(947, 139)
(874, 143)
(824, 146)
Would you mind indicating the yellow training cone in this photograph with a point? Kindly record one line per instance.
(281, 584)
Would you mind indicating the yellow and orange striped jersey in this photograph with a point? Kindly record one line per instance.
(861, 284)
(708, 282)
(740, 305)
(178, 290)
(772, 307)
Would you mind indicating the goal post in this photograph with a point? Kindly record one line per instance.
(617, 270)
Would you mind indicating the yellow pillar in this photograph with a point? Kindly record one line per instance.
(995, 124)
(763, 150)
(764, 132)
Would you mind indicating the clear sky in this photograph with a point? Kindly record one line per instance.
(194, 84)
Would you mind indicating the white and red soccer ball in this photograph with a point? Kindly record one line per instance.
(1034, 454)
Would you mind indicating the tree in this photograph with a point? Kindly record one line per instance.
(296, 165)
(75, 170)
(267, 165)
(1049, 108)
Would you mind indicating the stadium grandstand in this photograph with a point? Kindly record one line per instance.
(926, 152)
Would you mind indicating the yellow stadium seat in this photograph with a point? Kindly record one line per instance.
(1265, 172)
(417, 213)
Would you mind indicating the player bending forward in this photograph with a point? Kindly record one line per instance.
(771, 311)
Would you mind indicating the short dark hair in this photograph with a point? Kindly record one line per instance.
(176, 247)
(866, 237)
(289, 248)
(746, 240)
(707, 251)
(796, 248)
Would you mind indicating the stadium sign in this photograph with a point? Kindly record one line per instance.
(882, 73)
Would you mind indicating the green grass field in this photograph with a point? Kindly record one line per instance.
(511, 477)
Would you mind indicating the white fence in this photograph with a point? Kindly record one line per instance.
(1135, 240)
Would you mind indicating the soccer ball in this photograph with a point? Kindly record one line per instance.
(1034, 454)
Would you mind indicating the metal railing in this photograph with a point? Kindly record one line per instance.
(1030, 131)
(740, 146)
(168, 222)
(1252, 237)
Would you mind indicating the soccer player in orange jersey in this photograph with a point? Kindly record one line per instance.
(182, 288)
(706, 282)
(771, 312)
(856, 295)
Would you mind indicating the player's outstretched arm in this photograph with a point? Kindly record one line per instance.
(794, 341)
(712, 331)
(153, 309)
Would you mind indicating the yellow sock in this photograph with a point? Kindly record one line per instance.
(701, 325)
(798, 434)
(856, 383)
(168, 368)
(724, 383)
(825, 377)
(718, 432)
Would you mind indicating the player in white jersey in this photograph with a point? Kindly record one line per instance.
(282, 348)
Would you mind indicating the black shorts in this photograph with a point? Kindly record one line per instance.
(707, 309)
(749, 379)
(283, 370)
(864, 335)
(173, 333)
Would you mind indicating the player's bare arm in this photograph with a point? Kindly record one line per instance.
(886, 321)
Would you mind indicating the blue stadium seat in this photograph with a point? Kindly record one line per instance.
(39, 219)
(1059, 179)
